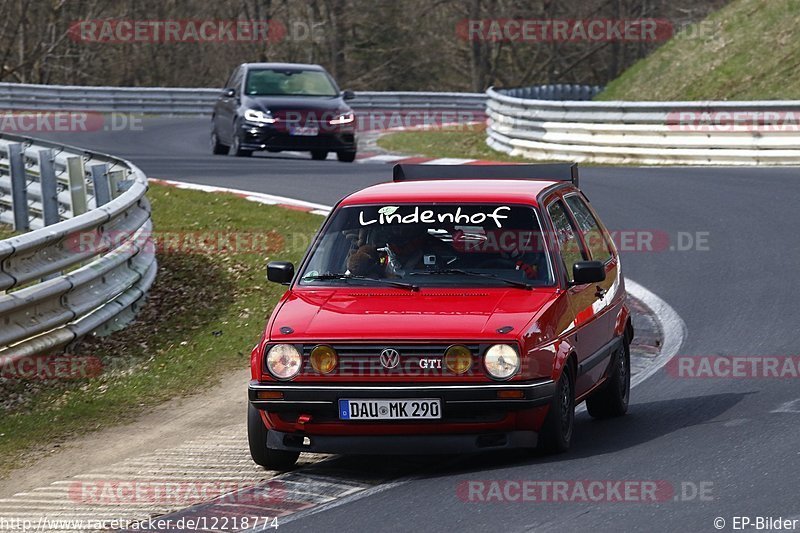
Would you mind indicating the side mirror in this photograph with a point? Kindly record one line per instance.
(348, 94)
(280, 272)
(229, 93)
(584, 272)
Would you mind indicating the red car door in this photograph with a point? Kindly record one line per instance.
(591, 335)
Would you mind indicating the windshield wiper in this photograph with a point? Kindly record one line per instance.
(398, 284)
(448, 271)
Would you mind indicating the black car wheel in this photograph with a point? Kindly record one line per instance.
(346, 157)
(612, 399)
(236, 148)
(280, 460)
(319, 155)
(217, 148)
(556, 433)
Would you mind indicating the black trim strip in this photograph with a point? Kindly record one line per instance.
(599, 356)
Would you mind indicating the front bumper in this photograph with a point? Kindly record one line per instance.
(474, 417)
(324, 399)
(266, 137)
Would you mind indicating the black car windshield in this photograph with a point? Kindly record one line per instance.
(487, 245)
(269, 82)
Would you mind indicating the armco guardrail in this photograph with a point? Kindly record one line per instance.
(559, 91)
(681, 133)
(180, 101)
(91, 261)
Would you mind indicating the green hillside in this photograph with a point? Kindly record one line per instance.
(749, 50)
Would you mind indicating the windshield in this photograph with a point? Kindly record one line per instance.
(269, 82)
(431, 245)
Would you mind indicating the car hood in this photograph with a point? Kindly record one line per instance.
(356, 314)
(277, 104)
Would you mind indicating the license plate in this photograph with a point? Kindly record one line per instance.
(423, 409)
(305, 131)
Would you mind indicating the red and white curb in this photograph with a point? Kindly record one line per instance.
(261, 198)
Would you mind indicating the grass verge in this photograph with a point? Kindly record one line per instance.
(458, 142)
(204, 313)
(747, 50)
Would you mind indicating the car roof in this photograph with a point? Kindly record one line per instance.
(285, 66)
(453, 190)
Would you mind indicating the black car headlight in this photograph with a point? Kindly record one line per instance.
(258, 116)
(343, 118)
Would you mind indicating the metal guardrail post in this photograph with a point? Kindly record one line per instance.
(102, 189)
(47, 180)
(19, 187)
(115, 177)
(77, 185)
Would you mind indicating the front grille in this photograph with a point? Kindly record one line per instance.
(364, 359)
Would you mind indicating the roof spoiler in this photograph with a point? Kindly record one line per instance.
(549, 172)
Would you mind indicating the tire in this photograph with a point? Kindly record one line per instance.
(556, 433)
(280, 460)
(319, 155)
(611, 400)
(217, 148)
(346, 157)
(236, 147)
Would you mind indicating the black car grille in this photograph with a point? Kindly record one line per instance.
(365, 359)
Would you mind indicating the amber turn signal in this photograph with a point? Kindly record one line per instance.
(510, 395)
(269, 395)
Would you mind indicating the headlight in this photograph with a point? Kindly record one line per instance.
(501, 361)
(344, 118)
(255, 115)
(324, 359)
(284, 361)
(458, 359)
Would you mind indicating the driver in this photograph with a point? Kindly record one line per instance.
(405, 248)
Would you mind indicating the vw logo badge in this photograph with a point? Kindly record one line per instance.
(390, 358)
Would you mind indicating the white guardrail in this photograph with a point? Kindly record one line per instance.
(679, 133)
(89, 263)
(180, 101)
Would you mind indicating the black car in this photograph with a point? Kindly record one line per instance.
(283, 106)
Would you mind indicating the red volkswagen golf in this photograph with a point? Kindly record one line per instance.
(457, 309)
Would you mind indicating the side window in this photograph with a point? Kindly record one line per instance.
(592, 234)
(235, 81)
(229, 83)
(567, 237)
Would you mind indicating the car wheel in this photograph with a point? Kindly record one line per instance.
(346, 157)
(236, 148)
(612, 399)
(217, 148)
(556, 433)
(319, 155)
(270, 459)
